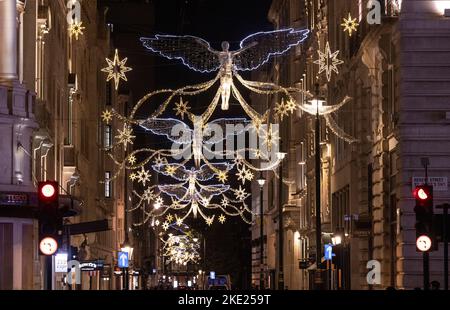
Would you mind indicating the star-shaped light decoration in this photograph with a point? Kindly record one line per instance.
(281, 110)
(222, 176)
(291, 106)
(170, 170)
(205, 201)
(143, 176)
(225, 203)
(165, 225)
(244, 174)
(159, 201)
(160, 160)
(350, 24)
(169, 218)
(132, 159)
(271, 136)
(106, 116)
(116, 69)
(157, 222)
(125, 136)
(181, 108)
(328, 61)
(148, 195)
(222, 219)
(76, 29)
(133, 176)
(179, 221)
(209, 220)
(240, 193)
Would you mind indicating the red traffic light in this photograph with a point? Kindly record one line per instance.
(423, 195)
(48, 191)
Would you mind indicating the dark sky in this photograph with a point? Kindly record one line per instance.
(228, 250)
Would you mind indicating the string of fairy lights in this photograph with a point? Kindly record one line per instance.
(196, 185)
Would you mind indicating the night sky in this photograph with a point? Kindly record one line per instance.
(228, 246)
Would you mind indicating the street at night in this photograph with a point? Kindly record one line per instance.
(222, 152)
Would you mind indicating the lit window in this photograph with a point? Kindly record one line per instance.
(108, 136)
(107, 184)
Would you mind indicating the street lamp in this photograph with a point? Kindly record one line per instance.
(261, 182)
(317, 102)
(127, 248)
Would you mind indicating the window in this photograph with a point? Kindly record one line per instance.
(108, 136)
(108, 187)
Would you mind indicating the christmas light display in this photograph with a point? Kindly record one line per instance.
(328, 61)
(116, 69)
(350, 25)
(76, 29)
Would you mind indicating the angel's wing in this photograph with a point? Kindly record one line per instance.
(217, 131)
(257, 48)
(206, 172)
(175, 130)
(177, 191)
(194, 52)
(175, 171)
(210, 191)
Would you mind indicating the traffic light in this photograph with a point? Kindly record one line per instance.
(50, 219)
(423, 195)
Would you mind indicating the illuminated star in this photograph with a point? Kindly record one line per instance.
(209, 220)
(132, 159)
(179, 221)
(148, 195)
(160, 160)
(244, 174)
(182, 108)
(75, 29)
(328, 61)
(222, 176)
(291, 105)
(165, 225)
(222, 219)
(159, 201)
(249, 175)
(240, 193)
(170, 170)
(350, 25)
(106, 116)
(224, 203)
(205, 201)
(157, 222)
(116, 69)
(270, 137)
(133, 176)
(125, 136)
(143, 176)
(169, 218)
(281, 110)
(175, 204)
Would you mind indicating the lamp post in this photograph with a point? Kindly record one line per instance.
(280, 156)
(261, 182)
(318, 103)
(127, 248)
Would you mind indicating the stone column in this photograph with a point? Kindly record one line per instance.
(8, 41)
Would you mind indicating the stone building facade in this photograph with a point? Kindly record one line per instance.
(52, 95)
(395, 73)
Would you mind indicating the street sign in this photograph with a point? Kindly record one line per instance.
(329, 252)
(61, 262)
(440, 184)
(123, 259)
(423, 243)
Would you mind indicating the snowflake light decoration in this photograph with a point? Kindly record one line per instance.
(116, 69)
(222, 219)
(143, 176)
(328, 61)
(182, 108)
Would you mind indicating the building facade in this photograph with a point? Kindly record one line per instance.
(394, 69)
(52, 96)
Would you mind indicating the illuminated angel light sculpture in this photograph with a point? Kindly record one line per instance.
(197, 54)
(200, 137)
(192, 196)
(181, 249)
